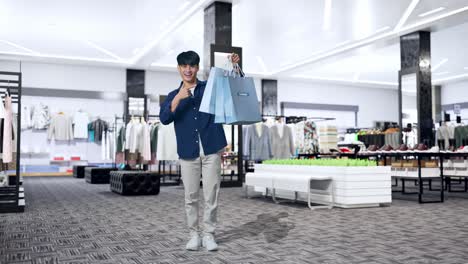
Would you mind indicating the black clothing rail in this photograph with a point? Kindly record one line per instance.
(11, 82)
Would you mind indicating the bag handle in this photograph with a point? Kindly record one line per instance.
(237, 69)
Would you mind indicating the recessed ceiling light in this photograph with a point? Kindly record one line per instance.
(432, 11)
(466, 68)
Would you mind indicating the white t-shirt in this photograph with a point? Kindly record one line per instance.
(80, 120)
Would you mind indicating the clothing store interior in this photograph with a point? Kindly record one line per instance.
(346, 125)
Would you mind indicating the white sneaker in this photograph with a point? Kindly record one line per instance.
(209, 242)
(194, 243)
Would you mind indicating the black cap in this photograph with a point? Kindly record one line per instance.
(188, 58)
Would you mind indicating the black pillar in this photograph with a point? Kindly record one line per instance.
(218, 29)
(135, 87)
(437, 103)
(270, 97)
(416, 59)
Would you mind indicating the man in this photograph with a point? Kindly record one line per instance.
(199, 145)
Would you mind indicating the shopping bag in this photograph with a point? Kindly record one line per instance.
(243, 108)
(222, 88)
(207, 104)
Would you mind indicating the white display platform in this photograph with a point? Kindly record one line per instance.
(353, 187)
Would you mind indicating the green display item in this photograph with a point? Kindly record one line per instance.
(324, 162)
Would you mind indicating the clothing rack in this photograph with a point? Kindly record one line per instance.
(12, 199)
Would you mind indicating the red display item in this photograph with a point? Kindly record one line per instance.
(59, 158)
(75, 158)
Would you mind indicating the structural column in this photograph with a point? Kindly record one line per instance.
(416, 59)
(269, 97)
(218, 29)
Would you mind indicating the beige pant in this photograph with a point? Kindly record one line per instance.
(210, 167)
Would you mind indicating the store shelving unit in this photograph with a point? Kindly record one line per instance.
(12, 196)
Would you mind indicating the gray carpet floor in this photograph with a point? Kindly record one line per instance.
(70, 221)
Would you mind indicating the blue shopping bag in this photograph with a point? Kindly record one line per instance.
(222, 88)
(208, 102)
(243, 107)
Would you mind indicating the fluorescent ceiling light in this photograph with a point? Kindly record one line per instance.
(452, 78)
(172, 28)
(437, 66)
(327, 15)
(262, 63)
(381, 29)
(343, 43)
(432, 12)
(103, 50)
(184, 5)
(406, 15)
(18, 46)
(424, 23)
(52, 56)
(466, 68)
(322, 55)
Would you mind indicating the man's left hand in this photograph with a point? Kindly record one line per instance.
(234, 58)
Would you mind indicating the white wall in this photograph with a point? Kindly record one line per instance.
(455, 93)
(374, 104)
(67, 77)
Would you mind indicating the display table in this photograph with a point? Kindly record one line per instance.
(135, 182)
(353, 187)
(79, 170)
(98, 175)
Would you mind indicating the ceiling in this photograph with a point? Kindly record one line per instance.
(353, 41)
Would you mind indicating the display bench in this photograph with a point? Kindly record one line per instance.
(351, 187)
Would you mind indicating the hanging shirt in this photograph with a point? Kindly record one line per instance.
(146, 145)
(26, 119)
(167, 143)
(80, 121)
(40, 117)
(98, 127)
(258, 145)
(8, 131)
(60, 128)
(282, 144)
